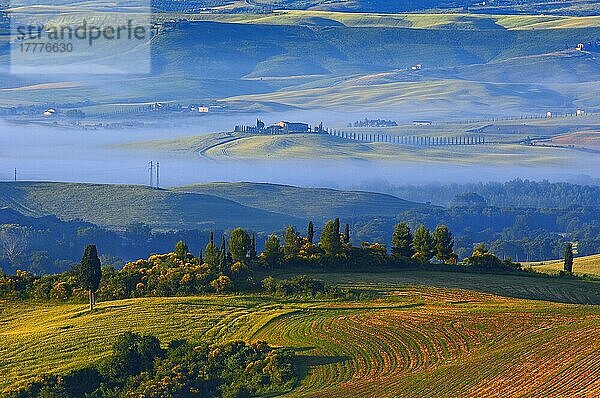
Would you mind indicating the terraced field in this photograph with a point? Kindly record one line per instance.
(408, 341)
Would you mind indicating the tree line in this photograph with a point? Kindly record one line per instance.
(230, 266)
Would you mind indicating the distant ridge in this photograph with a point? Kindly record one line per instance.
(309, 203)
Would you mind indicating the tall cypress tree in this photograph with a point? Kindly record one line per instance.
(310, 234)
(89, 273)
(568, 258)
(330, 238)
(347, 234)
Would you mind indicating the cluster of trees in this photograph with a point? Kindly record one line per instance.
(139, 367)
(303, 286)
(229, 266)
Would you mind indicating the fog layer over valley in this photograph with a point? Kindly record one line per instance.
(100, 156)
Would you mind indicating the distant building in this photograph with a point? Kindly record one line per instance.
(422, 122)
(289, 127)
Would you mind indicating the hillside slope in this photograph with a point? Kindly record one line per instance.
(308, 203)
(589, 265)
(412, 341)
(121, 205)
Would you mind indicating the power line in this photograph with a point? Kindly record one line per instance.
(151, 169)
(157, 174)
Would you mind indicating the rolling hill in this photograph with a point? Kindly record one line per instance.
(259, 207)
(316, 59)
(589, 265)
(117, 206)
(308, 203)
(228, 146)
(411, 340)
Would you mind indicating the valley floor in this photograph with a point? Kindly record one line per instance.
(406, 340)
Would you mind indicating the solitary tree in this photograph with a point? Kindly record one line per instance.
(89, 273)
(569, 258)
(423, 244)
(211, 253)
(443, 244)
(402, 240)
(330, 238)
(240, 244)
(310, 234)
(181, 250)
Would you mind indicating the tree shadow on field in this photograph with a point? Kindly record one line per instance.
(307, 362)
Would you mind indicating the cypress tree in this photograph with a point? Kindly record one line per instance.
(89, 273)
(330, 238)
(347, 234)
(568, 267)
(310, 235)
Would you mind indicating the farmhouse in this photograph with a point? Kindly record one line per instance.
(289, 127)
(282, 127)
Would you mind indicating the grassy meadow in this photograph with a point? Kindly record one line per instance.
(409, 339)
(589, 265)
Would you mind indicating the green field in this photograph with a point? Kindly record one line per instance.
(410, 340)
